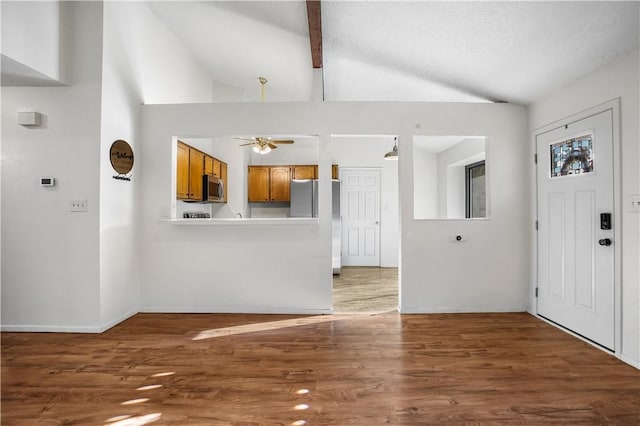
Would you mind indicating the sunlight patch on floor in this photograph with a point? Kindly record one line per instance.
(267, 326)
(137, 421)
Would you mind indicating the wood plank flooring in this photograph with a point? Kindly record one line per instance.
(365, 289)
(224, 369)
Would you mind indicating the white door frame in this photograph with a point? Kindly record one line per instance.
(614, 106)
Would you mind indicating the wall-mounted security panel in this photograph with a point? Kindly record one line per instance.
(29, 118)
(47, 181)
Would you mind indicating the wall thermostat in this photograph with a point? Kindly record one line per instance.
(47, 181)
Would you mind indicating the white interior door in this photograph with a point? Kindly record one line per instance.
(360, 201)
(575, 253)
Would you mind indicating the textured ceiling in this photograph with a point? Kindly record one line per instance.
(478, 51)
(407, 51)
(507, 51)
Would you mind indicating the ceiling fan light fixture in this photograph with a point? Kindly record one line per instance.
(262, 149)
(393, 154)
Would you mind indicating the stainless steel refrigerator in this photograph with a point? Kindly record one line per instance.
(304, 203)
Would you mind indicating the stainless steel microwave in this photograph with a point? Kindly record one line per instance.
(212, 189)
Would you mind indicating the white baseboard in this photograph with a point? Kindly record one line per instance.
(231, 310)
(463, 310)
(66, 328)
(632, 362)
(50, 329)
(117, 321)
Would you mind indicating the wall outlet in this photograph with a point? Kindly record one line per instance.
(633, 203)
(459, 238)
(78, 205)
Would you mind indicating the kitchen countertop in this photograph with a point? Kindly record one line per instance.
(244, 221)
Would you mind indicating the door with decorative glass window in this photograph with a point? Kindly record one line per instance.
(575, 228)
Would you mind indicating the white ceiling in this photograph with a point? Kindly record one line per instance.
(406, 50)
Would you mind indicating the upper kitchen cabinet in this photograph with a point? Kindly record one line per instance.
(190, 168)
(182, 187)
(269, 183)
(217, 168)
(208, 165)
(223, 176)
(191, 165)
(280, 183)
(304, 172)
(196, 170)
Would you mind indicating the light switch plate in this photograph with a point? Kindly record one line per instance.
(78, 205)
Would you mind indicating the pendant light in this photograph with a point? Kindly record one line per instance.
(262, 81)
(393, 154)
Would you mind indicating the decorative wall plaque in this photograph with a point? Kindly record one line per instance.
(121, 156)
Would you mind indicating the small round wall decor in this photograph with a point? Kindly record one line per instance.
(121, 156)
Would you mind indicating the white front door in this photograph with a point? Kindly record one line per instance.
(575, 248)
(360, 201)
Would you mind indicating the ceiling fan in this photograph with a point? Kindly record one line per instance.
(264, 145)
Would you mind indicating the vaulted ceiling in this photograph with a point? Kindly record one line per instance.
(405, 50)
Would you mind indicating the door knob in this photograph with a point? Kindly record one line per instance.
(605, 242)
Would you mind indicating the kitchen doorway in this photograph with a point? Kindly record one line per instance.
(370, 224)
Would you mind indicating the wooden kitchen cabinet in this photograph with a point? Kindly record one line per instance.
(223, 176)
(217, 165)
(269, 183)
(280, 184)
(208, 164)
(196, 170)
(182, 177)
(191, 165)
(304, 172)
(258, 184)
(190, 168)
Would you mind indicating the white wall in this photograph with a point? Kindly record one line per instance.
(33, 35)
(121, 99)
(50, 271)
(166, 72)
(425, 184)
(66, 271)
(368, 151)
(488, 272)
(620, 79)
(287, 268)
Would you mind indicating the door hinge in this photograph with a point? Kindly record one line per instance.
(535, 158)
(536, 291)
(536, 225)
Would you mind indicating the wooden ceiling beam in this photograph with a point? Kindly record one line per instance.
(315, 32)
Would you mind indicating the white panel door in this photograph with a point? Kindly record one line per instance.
(360, 201)
(575, 255)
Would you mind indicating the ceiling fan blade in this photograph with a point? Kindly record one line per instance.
(286, 141)
(272, 146)
(247, 139)
(247, 144)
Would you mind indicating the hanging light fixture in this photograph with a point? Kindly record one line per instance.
(393, 154)
(262, 81)
(262, 149)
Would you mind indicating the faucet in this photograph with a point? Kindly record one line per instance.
(238, 215)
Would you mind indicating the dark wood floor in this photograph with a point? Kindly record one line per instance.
(207, 369)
